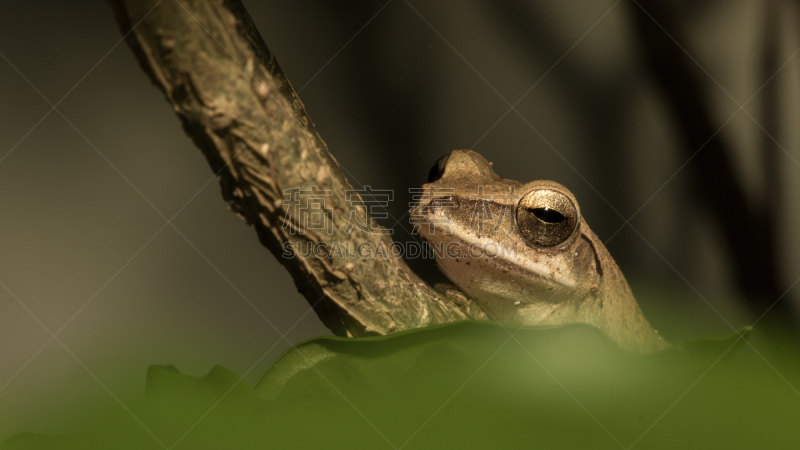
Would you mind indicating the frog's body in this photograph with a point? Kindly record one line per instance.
(524, 253)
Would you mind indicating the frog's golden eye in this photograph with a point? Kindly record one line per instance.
(437, 170)
(547, 217)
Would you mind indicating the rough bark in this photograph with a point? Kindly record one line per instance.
(241, 111)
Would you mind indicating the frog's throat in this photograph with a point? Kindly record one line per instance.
(477, 246)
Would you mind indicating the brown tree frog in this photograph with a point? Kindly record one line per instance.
(524, 253)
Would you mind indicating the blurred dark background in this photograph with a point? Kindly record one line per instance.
(676, 116)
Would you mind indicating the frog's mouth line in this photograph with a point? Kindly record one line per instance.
(477, 247)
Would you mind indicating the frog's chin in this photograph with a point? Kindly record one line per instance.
(536, 307)
(506, 294)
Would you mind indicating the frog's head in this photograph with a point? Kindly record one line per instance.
(523, 251)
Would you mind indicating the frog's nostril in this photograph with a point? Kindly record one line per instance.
(437, 170)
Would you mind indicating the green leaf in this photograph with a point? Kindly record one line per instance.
(471, 385)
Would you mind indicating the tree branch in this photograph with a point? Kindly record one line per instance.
(240, 110)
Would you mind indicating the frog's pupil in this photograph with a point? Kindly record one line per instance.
(548, 215)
